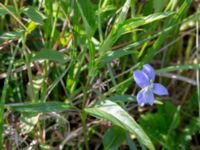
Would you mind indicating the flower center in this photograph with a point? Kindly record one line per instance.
(148, 88)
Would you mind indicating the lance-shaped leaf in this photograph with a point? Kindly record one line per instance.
(4, 11)
(118, 116)
(53, 106)
(34, 14)
(48, 54)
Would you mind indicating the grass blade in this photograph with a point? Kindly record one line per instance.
(53, 106)
(49, 54)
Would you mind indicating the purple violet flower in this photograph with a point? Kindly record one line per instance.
(144, 79)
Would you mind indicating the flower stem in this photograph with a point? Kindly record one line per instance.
(84, 118)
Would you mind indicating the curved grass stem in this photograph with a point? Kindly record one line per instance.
(197, 57)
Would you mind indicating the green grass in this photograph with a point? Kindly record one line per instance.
(67, 68)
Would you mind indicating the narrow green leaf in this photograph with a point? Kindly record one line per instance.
(123, 13)
(107, 8)
(92, 58)
(178, 68)
(112, 55)
(39, 107)
(88, 16)
(5, 12)
(128, 26)
(122, 98)
(12, 35)
(113, 36)
(112, 112)
(133, 23)
(48, 54)
(34, 14)
(175, 19)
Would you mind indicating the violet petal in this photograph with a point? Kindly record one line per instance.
(159, 89)
(149, 71)
(141, 78)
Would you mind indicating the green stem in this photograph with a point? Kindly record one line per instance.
(44, 86)
(99, 22)
(54, 26)
(83, 119)
(27, 61)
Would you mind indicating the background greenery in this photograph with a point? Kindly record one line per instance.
(66, 74)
